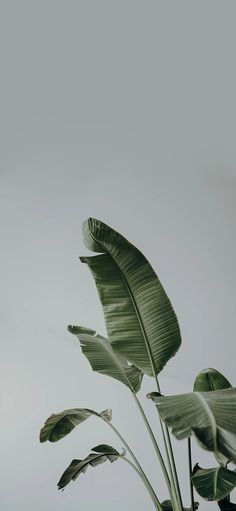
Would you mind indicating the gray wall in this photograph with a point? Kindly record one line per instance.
(122, 110)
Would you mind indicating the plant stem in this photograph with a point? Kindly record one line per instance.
(152, 494)
(156, 447)
(141, 471)
(190, 473)
(170, 458)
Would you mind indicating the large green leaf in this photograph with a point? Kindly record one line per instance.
(78, 467)
(60, 424)
(213, 483)
(140, 320)
(210, 379)
(211, 416)
(105, 360)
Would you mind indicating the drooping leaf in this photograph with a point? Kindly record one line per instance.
(60, 424)
(167, 506)
(140, 319)
(105, 360)
(105, 449)
(213, 483)
(210, 379)
(78, 467)
(210, 416)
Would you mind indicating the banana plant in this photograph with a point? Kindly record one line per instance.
(142, 335)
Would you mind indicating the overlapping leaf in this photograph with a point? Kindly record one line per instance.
(105, 360)
(213, 483)
(140, 320)
(211, 416)
(210, 379)
(60, 424)
(77, 467)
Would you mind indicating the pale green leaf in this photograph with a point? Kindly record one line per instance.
(208, 380)
(105, 360)
(210, 416)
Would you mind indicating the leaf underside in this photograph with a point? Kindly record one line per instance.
(210, 416)
(104, 360)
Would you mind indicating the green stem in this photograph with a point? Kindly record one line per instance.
(151, 492)
(156, 447)
(141, 471)
(190, 473)
(170, 458)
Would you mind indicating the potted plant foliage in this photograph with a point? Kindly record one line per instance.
(142, 335)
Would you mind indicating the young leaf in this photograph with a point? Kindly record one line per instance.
(210, 379)
(105, 360)
(78, 467)
(213, 483)
(140, 319)
(210, 416)
(60, 424)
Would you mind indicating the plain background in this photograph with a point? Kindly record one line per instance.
(125, 111)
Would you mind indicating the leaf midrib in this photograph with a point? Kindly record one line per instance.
(133, 302)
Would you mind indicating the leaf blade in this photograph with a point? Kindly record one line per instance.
(210, 379)
(77, 467)
(210, 416)
(140, 319)
(104, 360)
(213, 483)
(59, 425)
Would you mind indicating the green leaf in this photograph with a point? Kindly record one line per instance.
(60, 424)
(213, 483)
(140, 320)
(210, 379)
(78, 467)
(167, 506)
(105, 360)
(105, 449)
(210, 416)
(207, 380)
